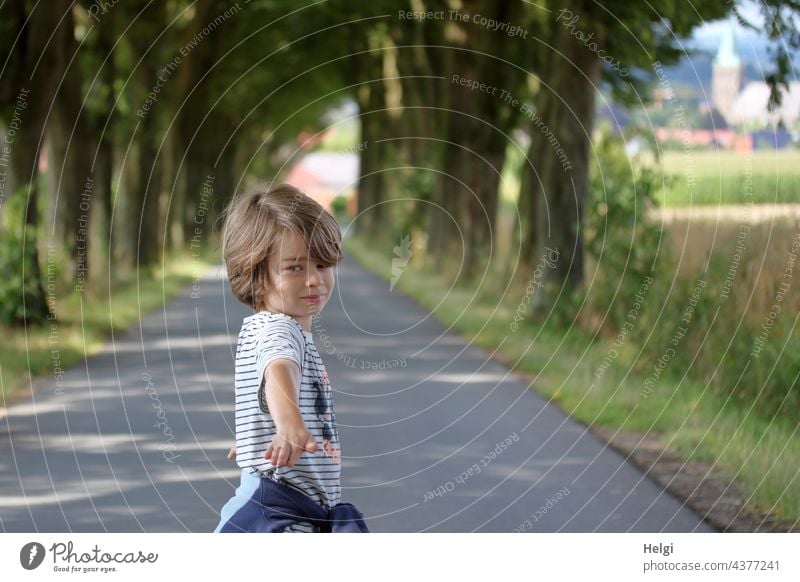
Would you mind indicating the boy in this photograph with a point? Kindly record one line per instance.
(279, 248)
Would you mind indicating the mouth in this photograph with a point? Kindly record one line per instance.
(313, 298)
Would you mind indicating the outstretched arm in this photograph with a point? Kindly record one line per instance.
(282, 387)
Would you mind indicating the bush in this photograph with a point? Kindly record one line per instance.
(339, 205)
(21, 299)
(622, 247)
(704, 316)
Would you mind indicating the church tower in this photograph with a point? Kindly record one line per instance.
(726, 78)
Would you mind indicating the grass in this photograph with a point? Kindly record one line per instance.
(687, 415)
(84, 323)
(724, 177)
(702, 177)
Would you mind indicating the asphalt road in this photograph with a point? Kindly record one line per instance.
(436, 436)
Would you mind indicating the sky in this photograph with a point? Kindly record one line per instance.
(751, 45)
(711, 31)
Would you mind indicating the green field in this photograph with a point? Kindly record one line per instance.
(711, 178)
(727, 163)
(704, 177)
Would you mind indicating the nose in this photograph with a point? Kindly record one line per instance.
(313, 276)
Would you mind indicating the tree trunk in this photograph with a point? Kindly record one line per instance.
(147, 234)
(104, 127)
(222, 187)
(197, 169)
(72, 137)
(37, 307)
(195, 139)
(27, 89)
(147, 207)
(564, 120)
(179, 231)
(104, 192)
(474, 125)
(371, 180)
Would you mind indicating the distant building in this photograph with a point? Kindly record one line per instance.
(747, 108)
(726, 76)
(750, 108)
(725, 139)
(325, 175)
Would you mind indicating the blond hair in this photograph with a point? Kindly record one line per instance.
(254, 223)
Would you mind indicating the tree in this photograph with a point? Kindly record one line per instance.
(451, 112)
(623, 45)
(73, 141)
(27, 86)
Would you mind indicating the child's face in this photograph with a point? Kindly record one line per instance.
(301, 287)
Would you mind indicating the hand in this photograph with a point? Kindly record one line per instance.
(289, 445)
(232, 453)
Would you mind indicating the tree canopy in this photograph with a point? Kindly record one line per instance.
(139, 107)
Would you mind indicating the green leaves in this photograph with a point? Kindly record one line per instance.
(623, 244)
(18, 284)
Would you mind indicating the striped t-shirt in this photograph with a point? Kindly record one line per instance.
(266, 337)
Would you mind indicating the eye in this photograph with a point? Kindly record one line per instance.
(291, 268)
(322, 266)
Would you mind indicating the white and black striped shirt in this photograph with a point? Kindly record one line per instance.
(266, 337)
